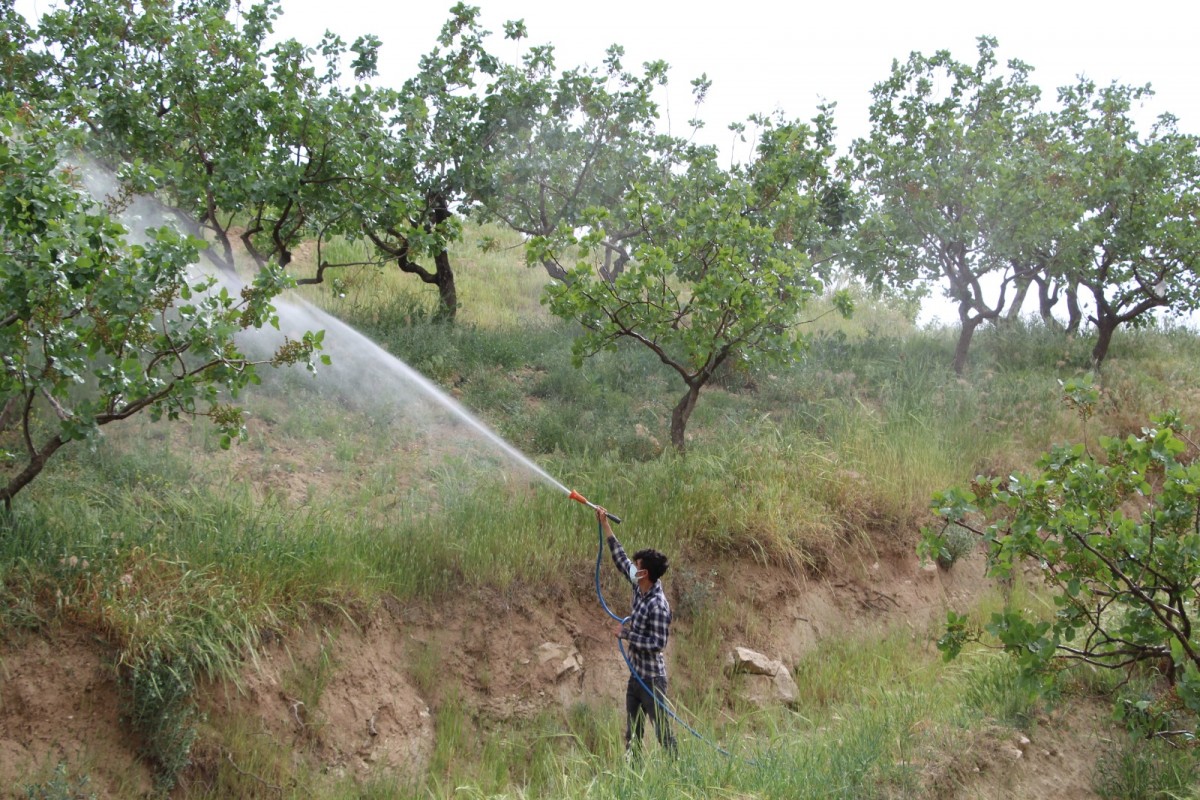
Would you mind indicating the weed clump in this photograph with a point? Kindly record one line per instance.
(60, 786)
(1137, 768)
(159, 706)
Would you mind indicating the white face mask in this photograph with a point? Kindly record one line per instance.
(633, 572)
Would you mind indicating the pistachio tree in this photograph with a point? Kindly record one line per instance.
(559, 143)
(1115, 537)
(95, 328)
(257, 141)
(721, 264)
(1137, 196)
(428, 154)
(267, 144)
(949, 186)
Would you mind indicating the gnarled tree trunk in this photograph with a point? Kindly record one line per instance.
(443, 279)
(1074, 312)
(679, 417)
(963, 348)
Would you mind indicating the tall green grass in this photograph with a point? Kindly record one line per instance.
(838, 453)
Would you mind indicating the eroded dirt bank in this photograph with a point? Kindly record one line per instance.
(505, 654)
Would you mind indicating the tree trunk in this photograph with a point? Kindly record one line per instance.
(31, 471)
(1014, 311)
(443, 275)
(1106, 326)
(968, 295)
(963, 348)
(1047, 300)
(447, 291)
(679, 418)
(1074, 313)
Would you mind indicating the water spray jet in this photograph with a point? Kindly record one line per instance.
(577, 497)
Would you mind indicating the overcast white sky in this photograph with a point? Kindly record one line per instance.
(764, 55)
(767, 55)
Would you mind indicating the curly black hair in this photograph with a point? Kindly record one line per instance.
(654, 562)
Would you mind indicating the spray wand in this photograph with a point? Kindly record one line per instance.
(576, 496)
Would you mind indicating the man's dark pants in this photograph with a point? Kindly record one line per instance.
(640, 704)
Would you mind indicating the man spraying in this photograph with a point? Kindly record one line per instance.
(646, 632)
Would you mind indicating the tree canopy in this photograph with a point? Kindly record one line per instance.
(948, 190)
(261, 145)
(95, 327)
(1137, 200)
(722, 259)
(258, 143)
(266, 144)
(558, 144)
(970, 182)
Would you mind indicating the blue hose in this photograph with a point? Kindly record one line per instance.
(620, 646)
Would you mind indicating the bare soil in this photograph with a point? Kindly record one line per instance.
(59, 703)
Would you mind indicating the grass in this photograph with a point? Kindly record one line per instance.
(59, 784)
(492, 294)
(185, 556)
(1135, 768)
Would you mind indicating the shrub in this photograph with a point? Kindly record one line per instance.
(958, 543)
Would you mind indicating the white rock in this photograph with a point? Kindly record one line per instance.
(743, 659)
(556, 660)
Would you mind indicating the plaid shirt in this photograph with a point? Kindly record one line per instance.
(650, 623)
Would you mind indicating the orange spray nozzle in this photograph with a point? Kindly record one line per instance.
(577, 497)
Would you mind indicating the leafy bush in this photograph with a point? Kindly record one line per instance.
(85, 323)
(1115, 539)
